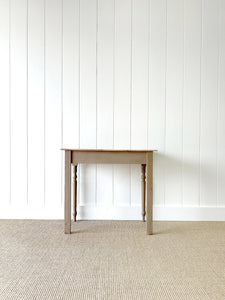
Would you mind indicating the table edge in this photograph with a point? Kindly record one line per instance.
(106, 150)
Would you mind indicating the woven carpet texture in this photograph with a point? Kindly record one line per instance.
(112, 260)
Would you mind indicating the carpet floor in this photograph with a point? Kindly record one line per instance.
(112, 260)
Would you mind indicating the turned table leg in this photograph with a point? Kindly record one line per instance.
(143, 191)
(75, 192)
(149, 191)
(67, 191)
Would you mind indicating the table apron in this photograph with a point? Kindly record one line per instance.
(108, 158)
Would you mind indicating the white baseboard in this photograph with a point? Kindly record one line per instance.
(189, 213)
(41, 212)
(115, 213)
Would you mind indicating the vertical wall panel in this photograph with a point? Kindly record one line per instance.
(105, 79)
(122, 196)
(122, 74)
(5, 102)
(71, 84)
(139, 90)
(191, 101)
(36, 102)
(104, 185)
(18, 102)
(139, 97)
(122, 96)
(157, 97)
(105, 96)
(221, 109)
(88, 19)
(88, 9)
(53, 82)
(135, 182)
(209, 102)
(174, 97)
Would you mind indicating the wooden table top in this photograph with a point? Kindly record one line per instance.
(105, 150)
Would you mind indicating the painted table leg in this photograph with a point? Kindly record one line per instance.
(67, 191)
(143, 191)
(75, 193)
(149, 191)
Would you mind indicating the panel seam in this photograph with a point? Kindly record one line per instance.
(79, 75)
(182, 111)
(165, 79)
(62, 91)
(44, 83)
(10, 121)
(96, 49)
(148, 92)
(114, 41)
(218, 103)
(131, 91)
(27, 104)
(200, 103)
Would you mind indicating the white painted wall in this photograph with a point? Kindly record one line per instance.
(113, 74)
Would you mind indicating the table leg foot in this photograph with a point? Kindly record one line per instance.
(67, 229)
(149, 229)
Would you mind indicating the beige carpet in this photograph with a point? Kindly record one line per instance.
(112, 260)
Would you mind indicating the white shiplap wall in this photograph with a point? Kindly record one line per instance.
(113, 74)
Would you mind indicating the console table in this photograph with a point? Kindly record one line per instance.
(89, 156)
